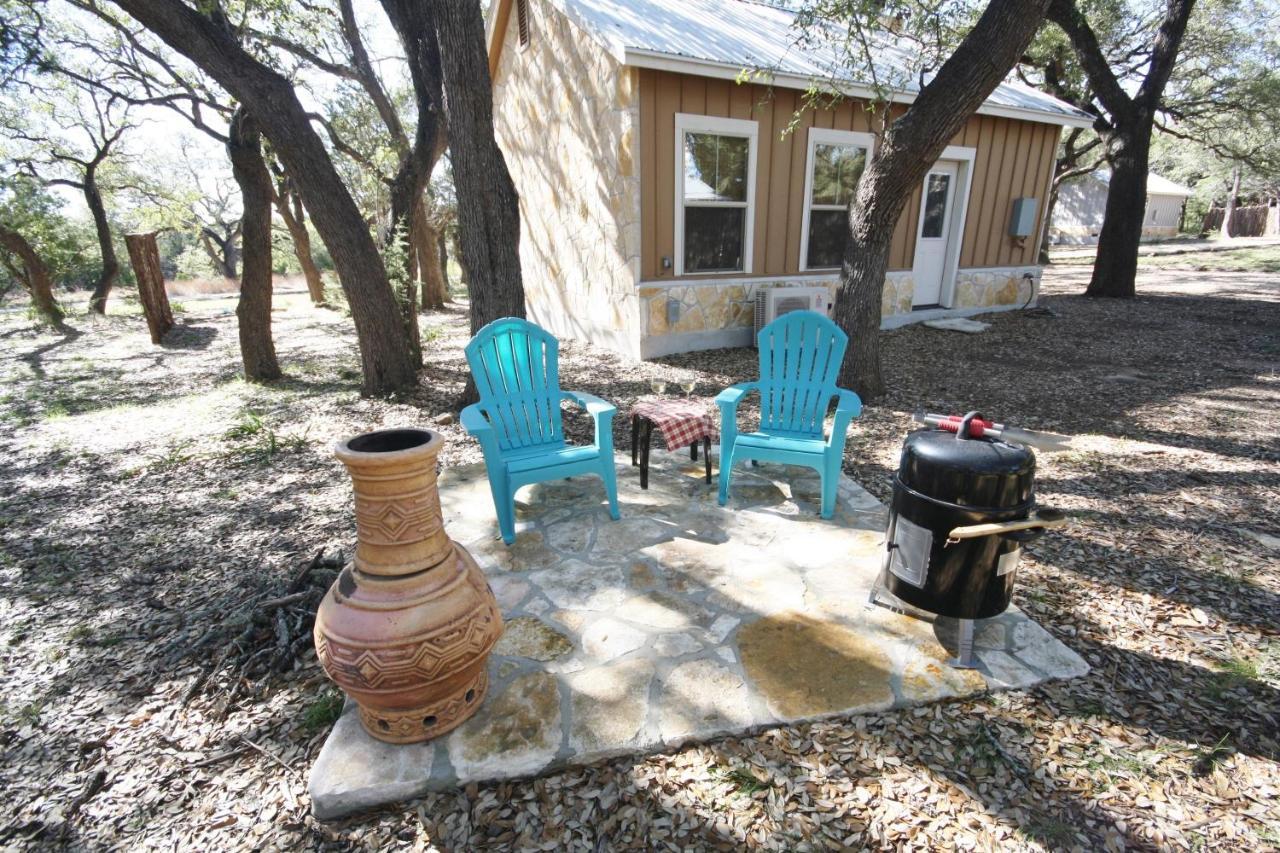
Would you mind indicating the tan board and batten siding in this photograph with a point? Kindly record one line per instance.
(1013, 160)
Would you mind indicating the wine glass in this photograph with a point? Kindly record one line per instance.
(687, 386)
(659, 386)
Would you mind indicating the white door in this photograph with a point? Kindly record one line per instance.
(936, 212)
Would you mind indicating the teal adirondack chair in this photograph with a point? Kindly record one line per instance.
(518, 421)
(800, 355)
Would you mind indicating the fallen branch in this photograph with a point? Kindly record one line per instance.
(283, 600)
(218, 757)
(277, 759)
(91, 789)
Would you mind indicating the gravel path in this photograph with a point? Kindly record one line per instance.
(166, 531)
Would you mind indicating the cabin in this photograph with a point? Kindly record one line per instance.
(1082, 203)
(668, 206)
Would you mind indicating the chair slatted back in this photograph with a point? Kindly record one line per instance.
(517, 371)
(800, 355)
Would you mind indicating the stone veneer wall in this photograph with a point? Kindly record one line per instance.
(714, 314)
(565, 116)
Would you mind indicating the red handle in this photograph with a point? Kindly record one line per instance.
(951, 423)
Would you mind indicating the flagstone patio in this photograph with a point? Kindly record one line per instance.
(681, 622)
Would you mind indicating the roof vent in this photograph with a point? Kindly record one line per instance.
(522, 21)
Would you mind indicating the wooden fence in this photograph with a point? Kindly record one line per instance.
(1257, 221)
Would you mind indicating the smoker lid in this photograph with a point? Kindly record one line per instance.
(932, 448)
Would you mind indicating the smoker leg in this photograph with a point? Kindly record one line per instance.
(964, 646)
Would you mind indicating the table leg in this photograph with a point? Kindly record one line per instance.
(693, 451)
(706, 454)
(635, 438)
(646, 427)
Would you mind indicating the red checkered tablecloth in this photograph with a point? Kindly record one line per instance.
(681, 422)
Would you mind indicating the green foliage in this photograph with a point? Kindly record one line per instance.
(323, 712)
(256, 440)
(69, 248)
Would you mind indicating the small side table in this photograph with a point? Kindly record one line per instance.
(681, 422)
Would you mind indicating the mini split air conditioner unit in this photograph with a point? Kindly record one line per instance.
(773, 302)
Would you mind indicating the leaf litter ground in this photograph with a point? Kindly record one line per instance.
(166, 531)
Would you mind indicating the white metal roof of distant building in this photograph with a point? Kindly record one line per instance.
(1156, 185)
(719, 38)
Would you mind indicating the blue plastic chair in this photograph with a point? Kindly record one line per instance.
(518, 420)
(800, 355)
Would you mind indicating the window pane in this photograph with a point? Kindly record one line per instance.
(836, 170)
(828, 230)
(713, 238)
(715, 167)
(935, 206)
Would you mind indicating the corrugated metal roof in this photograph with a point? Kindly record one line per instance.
(1156, 184)
(737, 34)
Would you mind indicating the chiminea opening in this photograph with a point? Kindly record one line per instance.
(389, 440)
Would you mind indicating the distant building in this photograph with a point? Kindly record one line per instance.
(660, 201)
(1082, 202)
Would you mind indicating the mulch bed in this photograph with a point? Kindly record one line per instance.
(166, 531)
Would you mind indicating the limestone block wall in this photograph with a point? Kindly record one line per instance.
(565, 116)
(706, 315)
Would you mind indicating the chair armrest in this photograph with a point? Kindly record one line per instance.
(593, 404)
(474, 421)
(848, 407)
(729, 398)
(848, 403)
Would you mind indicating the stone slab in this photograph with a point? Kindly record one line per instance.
(682, 622)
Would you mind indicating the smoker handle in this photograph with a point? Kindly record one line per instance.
(1043, 519)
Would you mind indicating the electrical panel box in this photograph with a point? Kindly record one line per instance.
(1023, 220)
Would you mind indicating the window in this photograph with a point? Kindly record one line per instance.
(715, 193)
(522, 22)
(935, 206)
(835, 163)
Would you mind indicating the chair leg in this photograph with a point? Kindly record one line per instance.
(610, 477)
(830, 485)
(506, 507)
(726, 470)
(635, 438)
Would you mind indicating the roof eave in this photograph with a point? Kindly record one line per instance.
(657, 60)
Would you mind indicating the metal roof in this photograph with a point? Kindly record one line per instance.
(1156, 184)
(719, 38)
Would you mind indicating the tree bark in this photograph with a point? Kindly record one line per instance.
(1128, 140)
(909, 148)
(144, 257)
(294, 216)
(434, 290)
(210, 42)
(443, 241)
(221, 250)
(1229, 208)
(488, 207)
(253, 311)
(37, 278)
(110, 263)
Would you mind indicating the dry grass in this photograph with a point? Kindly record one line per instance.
(150, 502)
(208, 286)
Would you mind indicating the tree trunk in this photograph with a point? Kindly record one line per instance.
(221, 251)
(1229, 208)
(253, 311)
(434, 289)
(1050, 205)
(295, 219)
(110, 264)
(444, 264)
(37, 278)
(210, 42)
(1116, 265)
(488, 208)
(144, 257)
(909, 148)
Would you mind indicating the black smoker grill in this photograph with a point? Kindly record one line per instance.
(962, 507)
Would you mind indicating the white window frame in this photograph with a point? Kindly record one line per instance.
(825, 136)
(690, 123)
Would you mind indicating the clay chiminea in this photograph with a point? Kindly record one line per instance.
(406, 631)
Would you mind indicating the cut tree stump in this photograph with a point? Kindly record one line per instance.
(144, 256)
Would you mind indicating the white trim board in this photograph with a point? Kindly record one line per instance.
(825, 136)
(689, 122)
